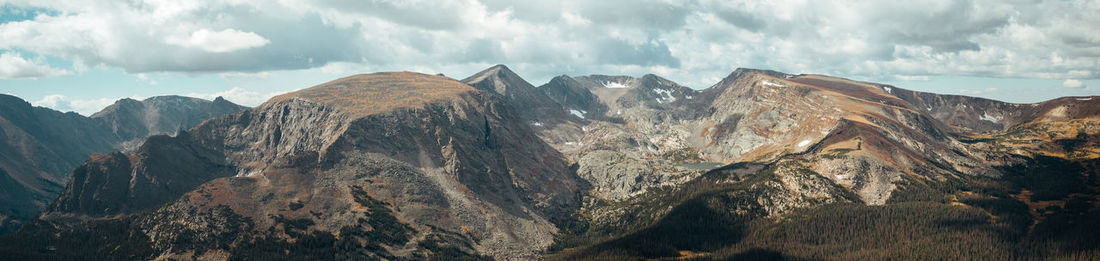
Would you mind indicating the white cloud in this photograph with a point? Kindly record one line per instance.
(237, 95)
(145, 78)
(1073, 84)
(259, 75)
(690, 41)
(55, 101)
(13, 66)
(223, 41)
(85, 107)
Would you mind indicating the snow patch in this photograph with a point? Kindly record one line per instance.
(986, 117)
(803, 143)
(577, 113)
(614, 85)
(888, 89)
(1084, 99)
(536, 123)
(773, 84)
(663, 95)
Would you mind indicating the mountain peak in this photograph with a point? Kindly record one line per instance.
(499, 71)
(366, 94)
(771, 73)
(504, 82)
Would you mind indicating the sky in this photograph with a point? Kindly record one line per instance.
(83, 55)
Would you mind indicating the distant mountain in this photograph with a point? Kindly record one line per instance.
(531, 104)
(162, 170)
(133, 120)
(573, 96)
(793, 150)
(40, 147)
(761, 165)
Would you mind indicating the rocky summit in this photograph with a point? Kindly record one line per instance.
(410, 166)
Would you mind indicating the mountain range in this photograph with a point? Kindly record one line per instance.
(39, 147)
(402, 165)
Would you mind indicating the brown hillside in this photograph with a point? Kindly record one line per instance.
(367, 94)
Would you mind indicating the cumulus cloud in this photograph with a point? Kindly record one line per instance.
(692, 41)
(171, 36)
(237, 95)
(223, 41)
(13, 66)
(1073, 84)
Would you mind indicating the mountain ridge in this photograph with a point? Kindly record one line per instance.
(40, 147)
(644, 168)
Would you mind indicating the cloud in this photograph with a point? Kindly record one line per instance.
(237, 95)
(85, 107)
(1073, 84)
(689, 40)
(223, 41)
(167, 36)
(13, 66)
